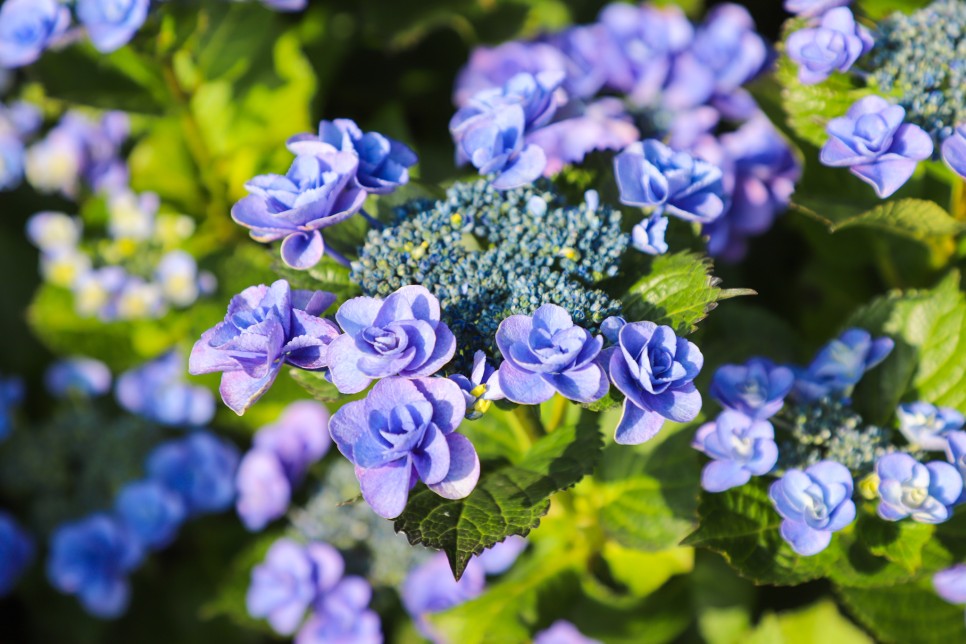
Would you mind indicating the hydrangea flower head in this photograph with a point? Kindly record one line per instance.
(950, 584)
(343, 615)
(926, 426)
(954, 150)
(401, 335)
(404, 431)
(11, 395)
(741, 447)
(112, 23)
(263, 489)
(648, 235)
(650, 174)
(264, 328)
(814, 503)
(91, 558)
(546, 353)
(200, 468)
(290, 580)
(16, 552)
(926, 492)
(840, 364)
(317, 192)
(874, 143)
(834, 45)
(756, 389)
(728, 46)
(27, 27)
(655, 370)
(811, 8)
(151, 512)
(84, 377)
(157, 391)
(431, 588)
(383, 162)
(492, 67)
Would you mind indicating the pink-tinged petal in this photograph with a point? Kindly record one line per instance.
(240, 391)
(637, 425)
(386, 488)
(206, 359)
(464, 469)
(522, 387)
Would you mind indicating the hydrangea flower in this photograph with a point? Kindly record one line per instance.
(546, 353)
(11, 159)
(481, 388)
(90, 558)
(756, 389)
(874, 143)
(655, 370)
(343, 615)
(292, 578)
(11, 395)
(954, 150)
(648, 235)
(926, 492)
(834, 45)
(811, 8)
(593, 59)
(383, 162)
(27, 27)
(264, 328)
(431, 588)
(112, 23)
(157, 391)
(54, 231)
(814, 503)
(562, 632)
(131, 216)
(492, 67)
(741, 447)
(317, 192)
(402, 432)
(84, 377)
(490, 131)
(177, 277)
(16, 552)
(499, 557)
(401, 335)
(281, 455)
(840, 364)
(956, 450)
(926, 426)
(151, 512)
(950, 584)
(54, 163)
(650, 174)
(286, 5)
(200, 468)
(96, 291)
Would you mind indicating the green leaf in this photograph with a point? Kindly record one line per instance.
(618, 619)
(909, 613)
(817, 624)
(316, 384)
(679, 291)
(506, 501)
(644, 572)
(876, 9)
(327, 275)
(915, 218)
(901, 542)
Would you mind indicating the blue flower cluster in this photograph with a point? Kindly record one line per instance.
(296, 578)
(11, 395)
(826, 444)
(16, 552)
(532, 249)
(18, 122)
(529, 108)
(92, 557)
(158, 392)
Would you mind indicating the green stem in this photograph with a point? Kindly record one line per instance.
(558, 411)
(958, 202)
(529, 418)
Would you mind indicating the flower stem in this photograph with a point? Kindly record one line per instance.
(558, 411)
(529, 418)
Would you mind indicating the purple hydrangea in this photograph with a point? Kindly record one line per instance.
(157, 391)
(492, 67)
(956, 450)
(655, 370)
(292, 578)
(593, 60)
(16, 552)
(91, 558)
(811, 8)
(405, 431)
(264, 328)
(814, 503)
(756, 389)
(926, 426)
(431, 588)
(200, 468)
(317, 192)
(27, 27)
(401, 335)
(954, 150)
(84, 377)
(490, 130)
(499, 557)
(282, 453)
(648, 235)
(950, 584)
(343, 615)
(383, 162)
(926, 492)
(112, 23)
(652, 175)
(151, 512)
(741, 447)
(874, 143)
(834, 45)
(481, 388)
(562, 632)
(286, 5)
(840, 364)
(546, 354)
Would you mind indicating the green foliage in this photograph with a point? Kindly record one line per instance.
(229, 601)
(819, 623)
(679, 291)
(915, 218)
(908, 613)
(876, 9)
(507, 501)
(327, 275)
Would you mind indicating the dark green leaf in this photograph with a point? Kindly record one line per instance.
(907, 614)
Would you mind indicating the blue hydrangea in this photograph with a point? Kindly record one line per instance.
(111, 24)
(926, 492)
(16, 552)
(158, 392)
(200, 468)
(562, 632)
(834, 45)
(431, 588)
(740, 447)
(27, 27)
(813, 504)
(840, 364)
(11, 395)
(950, 584)
(83, 377)
(343, 615)
(756, 389)
(926, 426)
(151, 512)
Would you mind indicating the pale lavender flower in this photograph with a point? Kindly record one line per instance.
(834, 45)
(741, 447)
(926, 492)
(814, 503)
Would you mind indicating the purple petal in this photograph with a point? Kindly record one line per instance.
(885, 175)
(343, 358)
(464, 469)
(718, 476)
(526, 168)
(803, 539)
(954, 152)
(240, 391)
(637, 425)
(449, 404)
(432, 458)
(302, 251)
(386, 488)
(582, 385)
(523, 387)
